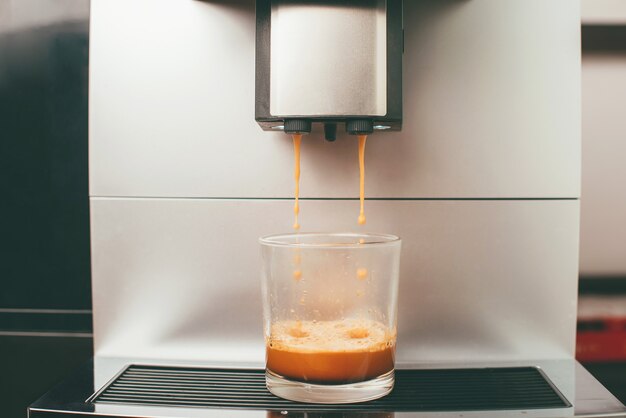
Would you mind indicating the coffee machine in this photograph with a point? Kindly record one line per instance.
(474, 161)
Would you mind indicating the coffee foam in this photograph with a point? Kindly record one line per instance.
(347, 335)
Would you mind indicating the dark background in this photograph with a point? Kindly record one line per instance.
(45, 294)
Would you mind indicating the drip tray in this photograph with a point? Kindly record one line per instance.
(485, 389)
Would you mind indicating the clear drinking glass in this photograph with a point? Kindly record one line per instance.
(329, 310)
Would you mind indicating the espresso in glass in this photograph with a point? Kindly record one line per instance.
(330, 315)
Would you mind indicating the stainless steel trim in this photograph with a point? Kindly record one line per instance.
(106, 385)
(553, 386)
(68, 412)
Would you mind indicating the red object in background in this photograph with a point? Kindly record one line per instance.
(601, 339)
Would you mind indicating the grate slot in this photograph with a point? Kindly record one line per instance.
(415, 390)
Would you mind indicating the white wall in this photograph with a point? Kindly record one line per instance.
(603, 202)
(603, 12)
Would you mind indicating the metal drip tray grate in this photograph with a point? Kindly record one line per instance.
(415, 390)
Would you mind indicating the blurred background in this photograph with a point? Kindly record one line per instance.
(601, 340)
(45, 300)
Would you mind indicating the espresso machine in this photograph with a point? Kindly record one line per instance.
(473, 160)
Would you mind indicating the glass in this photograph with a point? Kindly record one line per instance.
(329, 311)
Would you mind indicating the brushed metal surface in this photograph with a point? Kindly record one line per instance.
(328, 58)
(492, 109)
(480, 280)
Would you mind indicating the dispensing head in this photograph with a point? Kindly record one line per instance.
(353, 127)
(329, 62)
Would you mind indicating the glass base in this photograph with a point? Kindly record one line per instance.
(330, 394)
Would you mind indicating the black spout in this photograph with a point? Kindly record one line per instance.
(330, 132)
(360, 126)
(297, 126)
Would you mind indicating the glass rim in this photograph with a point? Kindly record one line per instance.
(375, 240)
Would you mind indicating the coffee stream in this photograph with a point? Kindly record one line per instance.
(362, 139)
(297, 142)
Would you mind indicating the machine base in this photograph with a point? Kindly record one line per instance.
(135, 388)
